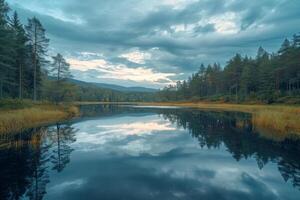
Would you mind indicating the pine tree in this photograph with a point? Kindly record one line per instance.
(233, 71)
(38, 44)
(60, 68)
(6, 51)
(248, 77)
(260, 52)
(19, 41)
(286, 45)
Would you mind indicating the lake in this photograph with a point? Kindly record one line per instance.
(132, 152)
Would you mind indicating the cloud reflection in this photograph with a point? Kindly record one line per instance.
(131, 135)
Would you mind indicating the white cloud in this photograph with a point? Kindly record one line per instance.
(225, 23)
(136, 57)
(84, 65)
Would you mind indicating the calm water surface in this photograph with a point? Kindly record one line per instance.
(118, 152)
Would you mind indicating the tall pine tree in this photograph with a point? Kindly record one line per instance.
(38, 44)
(7, 69)
(19, 45)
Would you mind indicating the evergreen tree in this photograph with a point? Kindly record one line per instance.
(248, 77)
(19, 41)
(286, 45)
(60, 69)
(233, 71)
(38, 44)
(264, 78)
(260, 52)
(7, 69)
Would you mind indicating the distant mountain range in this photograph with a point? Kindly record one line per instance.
(112, 86)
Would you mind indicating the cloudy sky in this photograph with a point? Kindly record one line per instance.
(157, 42)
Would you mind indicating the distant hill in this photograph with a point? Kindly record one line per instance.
(112, 86)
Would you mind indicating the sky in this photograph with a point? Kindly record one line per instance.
(153, 43)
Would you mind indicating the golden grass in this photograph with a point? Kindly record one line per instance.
(276, 121)
(21, 119)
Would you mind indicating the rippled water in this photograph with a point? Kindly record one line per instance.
(119, 152)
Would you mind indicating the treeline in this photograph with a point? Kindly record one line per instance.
(84, 93)
(268, 77)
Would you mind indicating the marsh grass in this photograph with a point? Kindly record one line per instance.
(17, 120)
(276, 121)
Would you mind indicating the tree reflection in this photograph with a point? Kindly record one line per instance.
(26, 158)
(235, 132)
(39, 165)
(14, 165)
(63, 136)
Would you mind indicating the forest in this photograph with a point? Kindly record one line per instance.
(269, 77)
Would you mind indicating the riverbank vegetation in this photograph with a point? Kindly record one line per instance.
(272, 120)
(16, 116)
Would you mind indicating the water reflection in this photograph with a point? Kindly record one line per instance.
(62, 136)
(234, 131)
(118, 152)
(25, 160)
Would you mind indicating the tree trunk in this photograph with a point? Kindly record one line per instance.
(34, 64)
(1, 89)
(236, 94)
(20, 81)
(58, 79)
(34, 79)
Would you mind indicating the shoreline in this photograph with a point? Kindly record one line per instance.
(277, 120)
(18, 120)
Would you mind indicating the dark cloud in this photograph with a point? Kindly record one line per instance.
(180, 35)
(205, 29)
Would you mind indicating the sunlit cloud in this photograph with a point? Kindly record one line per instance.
(136, 57)
(139, 128)
(121, 71)
(106, 134)
(225, 23)
(84, 65)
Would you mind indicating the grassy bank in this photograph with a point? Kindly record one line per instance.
(274, 120)
(16, 117)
